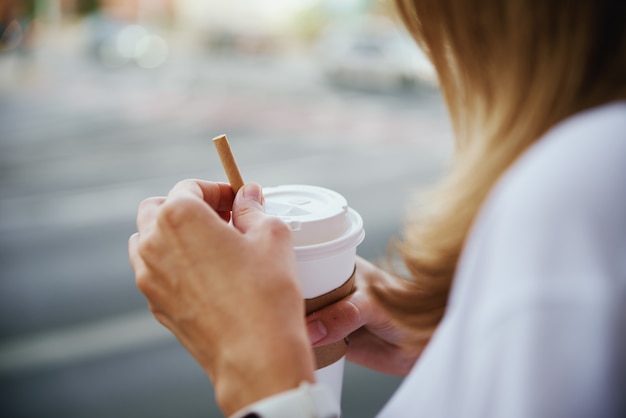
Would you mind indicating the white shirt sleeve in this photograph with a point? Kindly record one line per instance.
(306, 401)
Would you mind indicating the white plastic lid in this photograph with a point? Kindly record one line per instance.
(317, 216)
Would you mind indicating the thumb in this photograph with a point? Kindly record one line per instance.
(248, 206)
(338, 320)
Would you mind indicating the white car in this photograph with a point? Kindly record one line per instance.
(373, 57)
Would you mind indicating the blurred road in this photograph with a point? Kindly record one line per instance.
(81, 146)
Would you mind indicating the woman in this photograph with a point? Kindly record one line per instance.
(515, 305)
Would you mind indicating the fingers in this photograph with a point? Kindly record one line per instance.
(192, 203)
(144, 276)
(340, 319)
(190, 200)
(147, 212)
(133, 254)
(374, 353)
(136, 260)
(219, 196)
(248, 207)
(337, 321)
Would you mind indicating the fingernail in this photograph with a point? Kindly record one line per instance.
(253, 191)
(316, 330)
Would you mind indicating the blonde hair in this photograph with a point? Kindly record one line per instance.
(508, 70)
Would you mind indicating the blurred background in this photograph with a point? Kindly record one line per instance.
(104, 103)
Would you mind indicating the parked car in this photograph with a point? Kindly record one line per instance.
(372, 55)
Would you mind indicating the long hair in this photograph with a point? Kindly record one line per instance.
(508, 70)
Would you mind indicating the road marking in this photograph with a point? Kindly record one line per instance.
(84, 342)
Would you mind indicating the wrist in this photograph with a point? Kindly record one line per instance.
(261, 372)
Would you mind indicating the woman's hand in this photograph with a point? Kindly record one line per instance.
(228, 293)
(374, 340)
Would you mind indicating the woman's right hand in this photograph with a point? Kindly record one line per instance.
(375, 340)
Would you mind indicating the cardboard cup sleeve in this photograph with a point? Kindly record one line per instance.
(329, 354)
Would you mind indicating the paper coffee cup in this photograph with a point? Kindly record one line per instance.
(325, 233)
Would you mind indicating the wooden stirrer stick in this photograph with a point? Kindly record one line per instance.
(228, 162)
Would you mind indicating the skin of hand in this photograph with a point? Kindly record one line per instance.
(375, 341)
(228, 292)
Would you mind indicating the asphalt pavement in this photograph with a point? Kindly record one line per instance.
(81, 146)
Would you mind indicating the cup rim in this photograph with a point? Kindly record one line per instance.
(349, 239)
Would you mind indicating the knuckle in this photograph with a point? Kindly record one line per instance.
(144, 282)
(341, 319)
(158, 315)
(174, 212)
(148, 202)
(146, 210)
(276, 228)
(352, 314)
(185, 184)
(147, 248)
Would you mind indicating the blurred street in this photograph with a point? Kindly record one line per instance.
(82, 144)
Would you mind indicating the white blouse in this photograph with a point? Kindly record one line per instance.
(536, 322)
